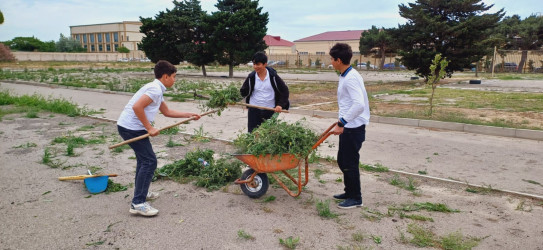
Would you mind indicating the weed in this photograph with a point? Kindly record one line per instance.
(378, 167)
(521, 207)
(170, 131)
(323, 209)
(318, 172)
(172, 144)
(243, 235)
(339, 179)
(421, 237)
(372, 215)
(457, 241)
(46, 193)
(97, 243)
(86, 128)
(70, 149)
(376, 239)
(108, 229)
(428, 206)
(32, 114)
(290, 242)
(199, 135)
(46, 158)
(416, 217)
(358, 236)
(120, 149)
(532, 182)
(410, 185)
(114, 187)
(424, 172)
(268, 199)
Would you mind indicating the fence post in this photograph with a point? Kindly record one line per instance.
(493, 59)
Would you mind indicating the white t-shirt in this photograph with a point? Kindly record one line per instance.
(155, 91)
(352, 100)
(263, 95)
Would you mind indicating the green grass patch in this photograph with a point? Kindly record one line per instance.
(38, 102)
(290, 242)
(113, 187)
(244, 235)
(378, 167)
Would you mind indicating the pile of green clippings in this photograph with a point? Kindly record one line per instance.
(201, 167)
(277, 137)
(219, 99)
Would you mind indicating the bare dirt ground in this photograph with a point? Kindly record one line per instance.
(38, 211)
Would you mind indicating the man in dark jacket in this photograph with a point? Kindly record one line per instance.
(263, 87)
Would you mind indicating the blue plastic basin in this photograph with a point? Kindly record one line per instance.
(96, 184)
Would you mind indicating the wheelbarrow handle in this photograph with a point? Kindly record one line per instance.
(82, 177)
(324, 136)
(164, 128)
(259, 107)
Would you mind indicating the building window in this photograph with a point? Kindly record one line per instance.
(356, 53)
(321, 53)
(108, 47)
(116, 37)
(116, 47)
(100, 48)
(77, 37)
(107, 38)
(91, 38)
(92, 48)
(304, 53)
(127, 39)
(99, 37)
(84, 38)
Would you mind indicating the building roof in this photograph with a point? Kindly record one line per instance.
(333, 36)
(277, 41)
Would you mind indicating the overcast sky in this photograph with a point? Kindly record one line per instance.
(290, 19)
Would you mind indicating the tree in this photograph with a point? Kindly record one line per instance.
(456, 29)
(437, 72)
(376, 38)
(30, 44)
(192, 31)
(516, 34)
(68, 44)
(238, 31)
(1, 17)
(123, 49)
(160, 41)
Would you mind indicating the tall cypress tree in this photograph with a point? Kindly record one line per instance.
(456, 29)
(238, 31)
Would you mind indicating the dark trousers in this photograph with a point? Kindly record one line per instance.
(348, 157)
(146, 162)
(257, 117)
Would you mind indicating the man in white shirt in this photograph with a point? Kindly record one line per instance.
(263, 87)
(354, 115)
(136, 120)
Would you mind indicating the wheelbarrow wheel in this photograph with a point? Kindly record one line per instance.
(256, 188)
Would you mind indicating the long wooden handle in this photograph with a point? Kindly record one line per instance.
(82, 177)
(260, 107)
(167, 127)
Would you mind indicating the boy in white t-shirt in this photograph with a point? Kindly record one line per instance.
(136, 120)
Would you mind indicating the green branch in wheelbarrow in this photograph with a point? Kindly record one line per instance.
(220, 99)
(164, 128)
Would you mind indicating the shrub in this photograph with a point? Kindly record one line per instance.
(5, 54)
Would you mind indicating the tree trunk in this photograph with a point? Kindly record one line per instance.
(383, 57)
(230, 70)
(204, 70)
(522, 61)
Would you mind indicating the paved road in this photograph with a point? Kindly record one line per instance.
(492, 161)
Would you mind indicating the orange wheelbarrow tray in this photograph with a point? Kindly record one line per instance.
(254, 181)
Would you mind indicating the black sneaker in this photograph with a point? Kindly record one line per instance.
(340, 196)
(350, 203)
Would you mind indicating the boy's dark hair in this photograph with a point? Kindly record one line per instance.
(342, 51)
(164, 67)
(260, 57)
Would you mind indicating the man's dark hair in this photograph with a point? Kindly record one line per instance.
(164, 67)
(260, 57)
(342, 51)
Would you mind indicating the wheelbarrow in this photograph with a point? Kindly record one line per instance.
(254, 181)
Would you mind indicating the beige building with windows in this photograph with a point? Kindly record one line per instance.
(320, 44)
(109, 37)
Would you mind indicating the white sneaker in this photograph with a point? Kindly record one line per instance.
(152, 195)
(144, 209)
